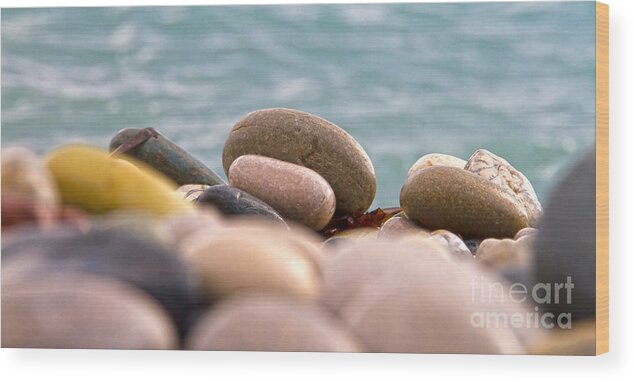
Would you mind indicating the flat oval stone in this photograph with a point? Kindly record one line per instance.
(297, 193)
(243, 259)
(435, 159)
(232, 201)
(307, 140)
(112, 253)
(168, 158)
(274, 324)
(449, 198)
(498, 171)
(84, 312)
(412, 297)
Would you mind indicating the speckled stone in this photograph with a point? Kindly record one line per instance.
(498, 171)
(274, 324)
(168, 158)
(113, 253)
(449, 198)
(89, 178)
(412, 297)
(454, 244)
(82, 311)
(232, 201)
(305, 139)
(435, 159)
(242, 259)
(297, 193)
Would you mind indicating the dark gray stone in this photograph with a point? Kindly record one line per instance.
(235, 202)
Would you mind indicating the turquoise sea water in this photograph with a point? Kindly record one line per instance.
(403, 79)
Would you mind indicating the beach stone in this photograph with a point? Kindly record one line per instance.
(400, 225)
(232, 201)
(243, 258)
(358, 233)
(113, 253)
(435, 159)
(88, 178)
(503, 253)
(525, 232)
(454, 244)
(82, 311)
(301, 138)
(168, 158)
(273, 324)
(580, 340)
(24, 174)
(180, 227)
(449, 198)
(191, 192)
(29, 194)
(498, 171)
(297, 193)
(566, 242)
(412, 297)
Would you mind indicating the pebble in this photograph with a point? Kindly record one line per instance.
(168, 158)
(191, 192)
(440, 197)
(88, 178)
(389, 293)
(525, 233)
(454, 244)
(113, 253)
(232, 201)
(297, 193)
(503, 253)
(566, 242)
(358, 233)
(400, 225)
(498, 171)
(274, 324)
(254, 258)
(307, 140)
(435, 159)
(82, 311)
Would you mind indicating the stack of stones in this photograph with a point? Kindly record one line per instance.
(197, 263)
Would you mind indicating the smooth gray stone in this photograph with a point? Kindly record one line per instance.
(168, 158)
(566, 241)
(112, 253)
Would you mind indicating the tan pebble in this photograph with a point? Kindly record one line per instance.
(81, 311)
(297, 193)
(498, 171)
(358, 233)
(405, 297)
(435, 159)
(450, 198)
(301, 138)
(235, 260)
(265, 323)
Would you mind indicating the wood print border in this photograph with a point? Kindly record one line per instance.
(602, 178)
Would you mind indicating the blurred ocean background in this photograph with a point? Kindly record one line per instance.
(403, 79)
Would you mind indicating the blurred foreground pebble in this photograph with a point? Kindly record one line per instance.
(81, 311)
(269, 323)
